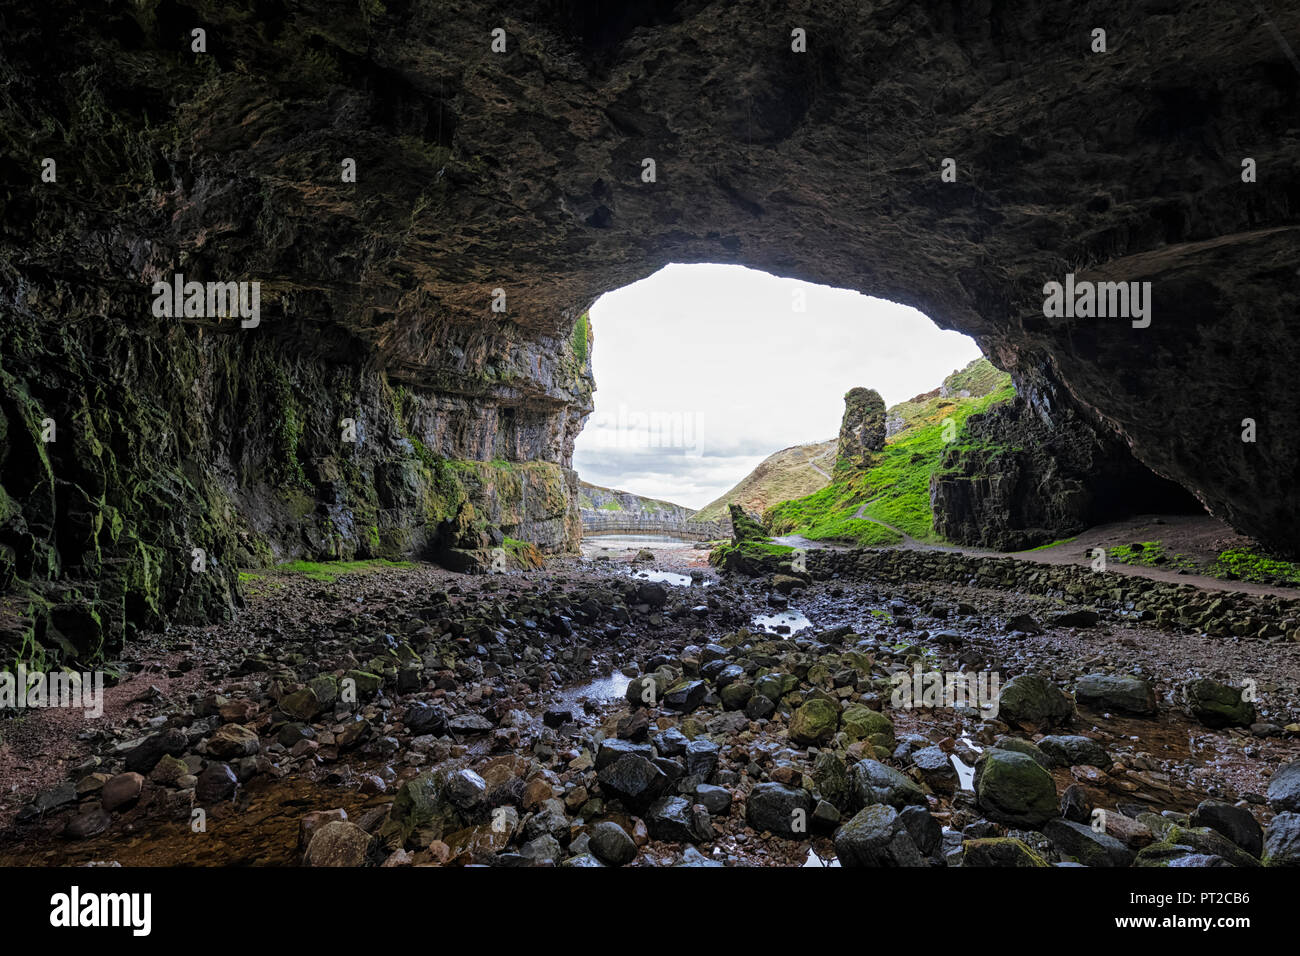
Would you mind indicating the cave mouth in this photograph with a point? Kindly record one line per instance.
(704, 369)
(717, 380)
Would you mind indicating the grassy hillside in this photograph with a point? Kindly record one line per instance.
(895, 490)
(788, 473)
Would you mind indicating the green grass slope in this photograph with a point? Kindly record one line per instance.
(895, 490)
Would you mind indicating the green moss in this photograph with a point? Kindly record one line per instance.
(285, 467)
(895, 489)
(751, 556)
(1149, 554)
(611, 506)
(1053, 544)
(331, 571)
(1247, 564)
(580, 338)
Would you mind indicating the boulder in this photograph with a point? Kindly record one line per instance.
(1011, 788)
(1115, 692)
(1032, 702)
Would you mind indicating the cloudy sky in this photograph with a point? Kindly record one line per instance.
(702, 371)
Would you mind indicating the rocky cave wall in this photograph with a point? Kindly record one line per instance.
(524, 171)
(1012, 480)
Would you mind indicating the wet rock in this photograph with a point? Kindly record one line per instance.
(831, 778)
(648, 689)
(146, 755)
(550, 819)
(1075, 804)
(1282, 840)
(716, 800)
(999, 851)
(1032, 702)
(776, 808)
(85, 825)
(859, 722)
(309, 823)
(759, 707)
(422, 812)
(470, 724)
(1284, 787)
(872, 782)
(686, 696)
(422, 718)
(671, 743)
(701, 758)
(612, 748)
(121, 791)
(652, 593)
(1086, 845)
(338, 843)
(1012, 789)
(936, 769)
(302, 704)
(1218, 705)
(168, 771)
(612, 844)
(634, 780)
(736, 696)
(669, 818)
(1236, 823)
(693, 857)
(923, 828)
(480, 844)
(54, 798)
(1119, 693)
(814, 722)
(775, 685)
(1069, 750)
(1177, 855)
(1021, 746)
(292, 732)
(786, 583)
(232, 741)
(876, 837)
(555, 717)
(1208, 842)
(466, 789)
(216, 783)
(1131, 833)
(542, 851)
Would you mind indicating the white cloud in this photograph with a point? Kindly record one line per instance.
(704, 370)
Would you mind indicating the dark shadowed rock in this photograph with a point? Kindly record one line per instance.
(1114, 692)
(876, 837)
(779, 809)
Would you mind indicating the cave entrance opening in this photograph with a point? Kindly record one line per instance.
(702, 371)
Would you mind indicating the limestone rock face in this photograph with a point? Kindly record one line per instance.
(862, 430)
(438, 297)
(1014, 481)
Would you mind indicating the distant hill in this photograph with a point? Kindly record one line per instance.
(596, 498)
(789, 473)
